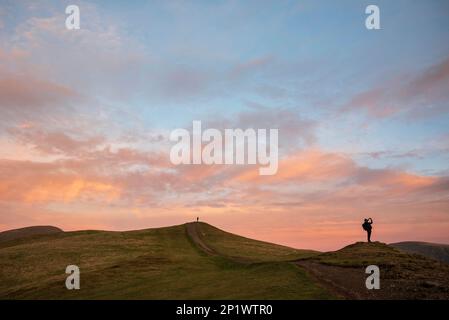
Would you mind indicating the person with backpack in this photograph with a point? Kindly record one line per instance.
(367, 226)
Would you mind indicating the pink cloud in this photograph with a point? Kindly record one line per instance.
(423, 94)
(27, 93)
(320, 196)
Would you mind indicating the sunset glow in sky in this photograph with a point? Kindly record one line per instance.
(363, 117)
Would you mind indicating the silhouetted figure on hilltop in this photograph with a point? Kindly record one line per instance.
(197, 219)
(367, 226)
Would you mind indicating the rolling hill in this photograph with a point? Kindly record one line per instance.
(163, 263)
(199, 261)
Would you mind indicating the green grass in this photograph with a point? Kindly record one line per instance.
(152, 264)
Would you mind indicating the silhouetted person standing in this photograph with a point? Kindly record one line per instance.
(367, 226)
(197, 219)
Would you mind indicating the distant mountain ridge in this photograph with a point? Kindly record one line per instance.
(435, 251)
(15, 234)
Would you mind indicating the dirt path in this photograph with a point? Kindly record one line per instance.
(349, 282)
(194, 233)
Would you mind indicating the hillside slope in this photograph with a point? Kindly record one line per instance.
(436, 251)
(238, 248)
(163, 263)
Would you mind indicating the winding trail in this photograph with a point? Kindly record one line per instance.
(316, 271)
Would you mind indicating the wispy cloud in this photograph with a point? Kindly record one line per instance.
(423, 94)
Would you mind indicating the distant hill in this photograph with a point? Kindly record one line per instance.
(27, 232)
(432, 250)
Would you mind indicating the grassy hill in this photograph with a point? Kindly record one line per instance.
(199, 261)
(164, 263)
(432, 250)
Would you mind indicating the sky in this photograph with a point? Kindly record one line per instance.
(363, 117)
